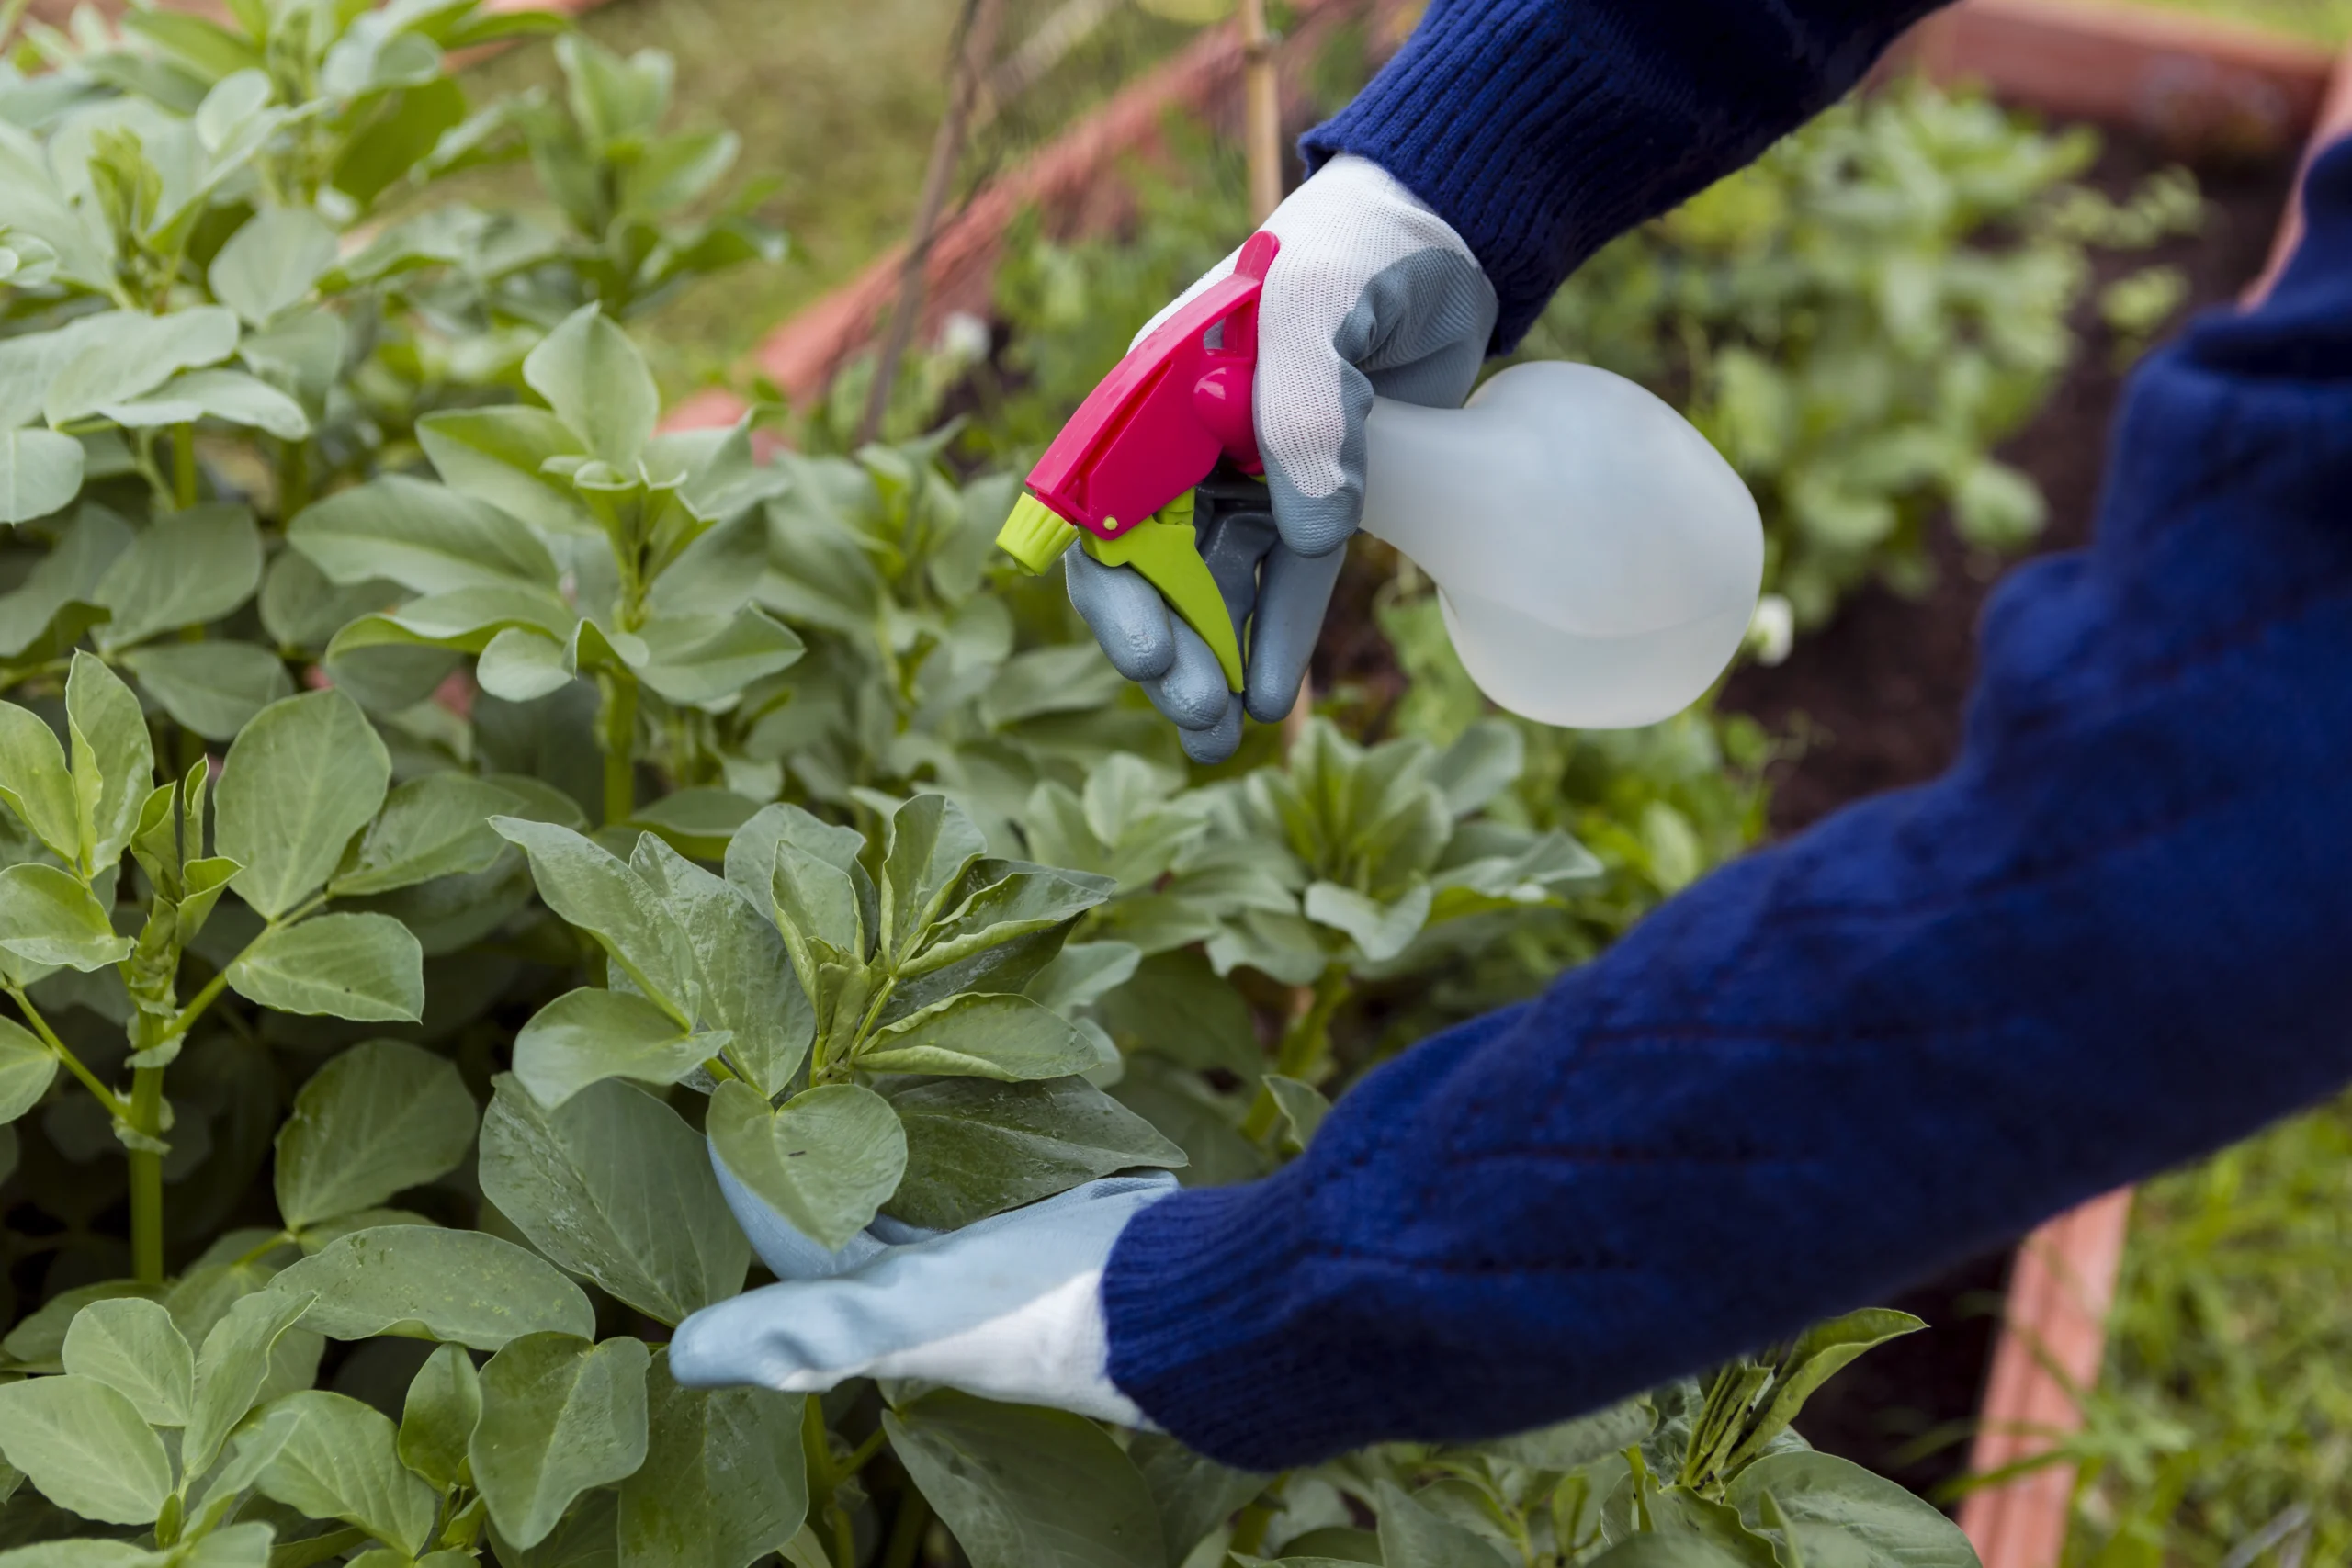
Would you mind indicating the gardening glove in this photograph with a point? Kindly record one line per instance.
(1008, 1308)
(1371, 294)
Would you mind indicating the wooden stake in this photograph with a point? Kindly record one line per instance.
(975, 31)
(1261, 111)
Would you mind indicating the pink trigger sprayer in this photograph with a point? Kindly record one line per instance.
(1597, 561)
(1119, 478)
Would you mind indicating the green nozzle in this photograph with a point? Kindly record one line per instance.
(1036, 535)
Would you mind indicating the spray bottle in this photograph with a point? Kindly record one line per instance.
(1597, 561)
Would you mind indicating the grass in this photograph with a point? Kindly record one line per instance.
(2226, 1401)
(837, 104)
(2321, 21)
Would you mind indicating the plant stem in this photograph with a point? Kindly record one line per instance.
(293, 478)
(617, 729)
(974, 48)
(907, 1528)
(184, 466)
(1307, 1045)
(105, 1097)
(147, 1177)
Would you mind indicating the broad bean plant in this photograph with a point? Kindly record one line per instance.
(442, 802)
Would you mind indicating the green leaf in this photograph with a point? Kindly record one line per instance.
(183, 569)
(827, 1160)
(1380, 931)
(1648, 1551)
(133, 1348)
(585, 1539)
(1177, 1007)
(435, 825)
(1570, 1444)
(124, 353)
(586, 1036)
(230, 396)
(305, 775)
(427, 537)
(270, 263)
(1016, 901)
(234, 1367)
(706, 660)
(213, 688)
(614, 1187)
(596, 382)
(747, 982)
(591, 888)
(558, 1415)
(1819, 1353)
(818, 912)
(47, 917)
(1082, 974)
(463, 1287)
(27, 1069)
(48, 612)
(523, 664)
(383, 1117)
(41, 472)
(1302, 1105)
(1191, 1494)
(114, 762)
(750, 853)
(976, 1148)
(1486, 761)
(496, 456)
(443, 1408)
(366, 968)
(35, 782)
(86, 1448)
(1868, 1519)
(340, 1461)
(932, 844)
(1011, 1039)
(1411, 1533)
(724, 1478)
(1024, 1487)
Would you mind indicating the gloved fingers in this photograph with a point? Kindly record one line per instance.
(1125, 613)
(788, 1254)
(1293, 595)
(1009, 1308)
(1222, 269)
(1193, 693)
(1214, 743)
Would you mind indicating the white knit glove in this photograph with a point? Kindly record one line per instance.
(1371, 293)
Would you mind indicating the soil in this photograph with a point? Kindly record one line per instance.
(1878, 696)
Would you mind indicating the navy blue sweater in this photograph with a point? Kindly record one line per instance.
(2116, 933)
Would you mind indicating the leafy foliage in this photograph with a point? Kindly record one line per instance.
(442, 804)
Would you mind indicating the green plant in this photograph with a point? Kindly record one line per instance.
(2215, 1416)
(438, 803)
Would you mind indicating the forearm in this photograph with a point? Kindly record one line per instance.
(1541, 129)
(2114, 936)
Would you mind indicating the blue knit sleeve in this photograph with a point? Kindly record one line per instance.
(2115, 935)
(1542, 128)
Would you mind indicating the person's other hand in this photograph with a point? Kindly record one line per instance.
(1371, 294)
(1008, 1308)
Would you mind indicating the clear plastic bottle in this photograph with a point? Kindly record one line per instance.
(1597, 561)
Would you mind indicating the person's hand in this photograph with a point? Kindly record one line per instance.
(1009, 1308)
(1371, 293)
